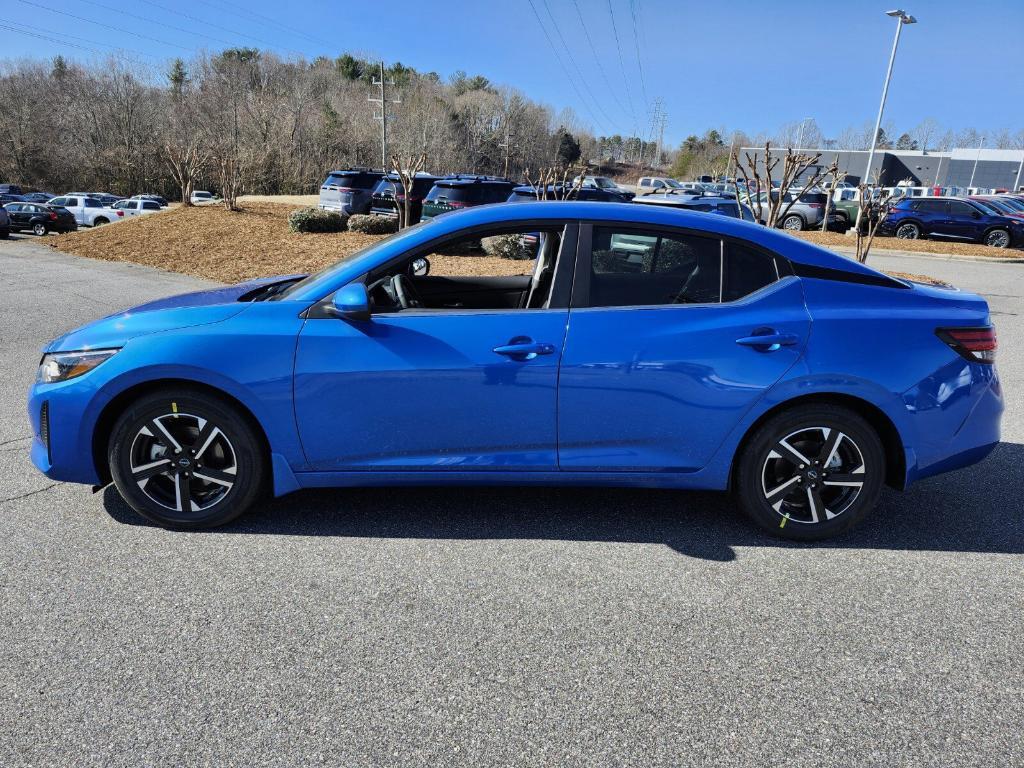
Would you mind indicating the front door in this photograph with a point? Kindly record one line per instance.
(672, 338)
(451, 383)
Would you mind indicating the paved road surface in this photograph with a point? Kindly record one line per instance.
(500, 627)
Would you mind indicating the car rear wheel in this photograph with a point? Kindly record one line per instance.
(810, 472)
(793, 223)
(186, 459)
(39, 229)
(997, 238)
(100, 221)
(908, 231)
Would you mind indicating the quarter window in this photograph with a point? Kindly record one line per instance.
(746, 271)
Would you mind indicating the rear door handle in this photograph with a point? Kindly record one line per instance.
(768, 340)
(524, 348)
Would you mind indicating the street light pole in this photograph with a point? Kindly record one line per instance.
(977, 157)
(902, 17)
(800, 139)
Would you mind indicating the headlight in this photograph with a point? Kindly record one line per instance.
(61, 366)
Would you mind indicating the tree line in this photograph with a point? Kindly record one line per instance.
(247, 121)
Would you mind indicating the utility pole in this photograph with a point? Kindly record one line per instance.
(383, 116)
(661, 137)
(507, 144)
(655, 120)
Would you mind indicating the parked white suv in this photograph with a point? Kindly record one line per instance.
(88, 211)
(201, 196)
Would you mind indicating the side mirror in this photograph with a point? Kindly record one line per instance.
(419, 267)
(351, 303)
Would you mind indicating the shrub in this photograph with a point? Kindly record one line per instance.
(508, 247)
(372, 225)
(316, 220)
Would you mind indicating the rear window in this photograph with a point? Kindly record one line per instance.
(387, 186)
(352, 180)
(456, 193)
(815, 197)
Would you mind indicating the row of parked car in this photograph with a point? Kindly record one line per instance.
(42, 212)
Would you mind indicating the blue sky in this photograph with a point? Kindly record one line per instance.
(713, 64)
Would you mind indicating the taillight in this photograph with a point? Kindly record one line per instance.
(892, 209)
(53, 216)
(815, 205)
(120, 213)
(976, 344)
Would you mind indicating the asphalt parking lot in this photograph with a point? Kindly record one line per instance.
(500, 627)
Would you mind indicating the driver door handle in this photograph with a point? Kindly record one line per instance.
(768, 340)
(524, 348)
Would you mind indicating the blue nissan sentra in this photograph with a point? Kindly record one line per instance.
(605, 344)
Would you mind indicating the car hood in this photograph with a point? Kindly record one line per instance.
(182, 311)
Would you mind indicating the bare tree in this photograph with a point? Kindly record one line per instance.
(554, 181)
(835, 175)
(874, 209)
(407, 176)
(772, 203)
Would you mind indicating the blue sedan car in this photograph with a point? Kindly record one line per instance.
(627, 346)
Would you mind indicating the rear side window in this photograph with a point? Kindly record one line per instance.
(958, 208)
(351, 180)
(746, 271)
(631, 268)
(931, 206)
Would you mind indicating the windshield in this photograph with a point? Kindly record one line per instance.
(603, 183)
(353, 258)
(673, 183)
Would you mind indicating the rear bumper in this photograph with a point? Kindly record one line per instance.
(956, 415)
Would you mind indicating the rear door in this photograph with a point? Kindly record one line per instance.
(669, 346)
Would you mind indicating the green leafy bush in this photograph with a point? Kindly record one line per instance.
(316, 220)
(372, 225)
(508, 247)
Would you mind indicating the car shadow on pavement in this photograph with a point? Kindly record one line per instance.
(978, 509)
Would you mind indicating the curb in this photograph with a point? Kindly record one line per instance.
(848, 251)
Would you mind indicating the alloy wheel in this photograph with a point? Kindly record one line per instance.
(183, 462)
(998, 239)
(907, 232)
(39, 229)
(793, 223)
(813, 475)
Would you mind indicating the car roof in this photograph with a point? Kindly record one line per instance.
(457, 181)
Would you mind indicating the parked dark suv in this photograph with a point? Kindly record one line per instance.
(390, 187)
(349, 191)
(465, 192)
(39, 218)
(954, 218)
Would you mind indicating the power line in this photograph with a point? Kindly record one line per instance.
(622, 64)
(583, 80)
(105, 26)
(48, 38)
(597, 58)
(44, 34)
(558, 56)
(210, 24)
(278, 24)
(636, 41)
(148, 20)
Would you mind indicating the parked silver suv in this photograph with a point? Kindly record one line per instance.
(806, 213)
(349, 191)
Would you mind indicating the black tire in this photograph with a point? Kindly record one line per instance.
(201, 464)
(4, 234)
(908, 231)
(99, 221)
(765, 470)
(39, 229)
(793, 223)
(997, 238)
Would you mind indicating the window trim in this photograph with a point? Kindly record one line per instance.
(561, 286)
(580, 299)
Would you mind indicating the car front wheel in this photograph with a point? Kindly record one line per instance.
(810, 472)
(186, 459)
